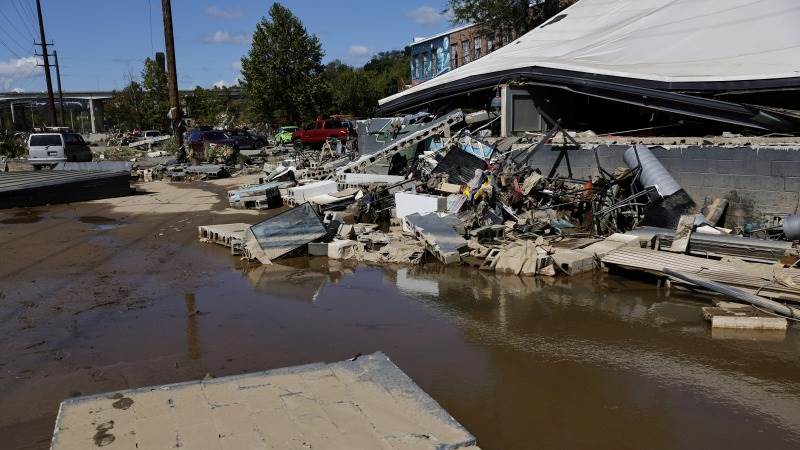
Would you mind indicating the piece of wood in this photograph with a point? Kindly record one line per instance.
(716, 210)
(680, 244)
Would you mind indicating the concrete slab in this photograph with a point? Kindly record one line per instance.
(439, 235)
(743, 318)
(366, 403)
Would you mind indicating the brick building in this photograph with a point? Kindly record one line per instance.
(435, 55)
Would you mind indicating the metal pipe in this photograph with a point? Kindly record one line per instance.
(653, 172)
(791, 227)
(737, 294)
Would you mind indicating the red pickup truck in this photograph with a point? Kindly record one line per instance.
(322, 130)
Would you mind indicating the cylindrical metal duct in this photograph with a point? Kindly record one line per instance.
(653, 172)
(791, 227)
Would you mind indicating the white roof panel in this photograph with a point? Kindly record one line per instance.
(661, 41)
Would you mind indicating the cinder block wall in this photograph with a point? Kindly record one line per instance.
(759, 183)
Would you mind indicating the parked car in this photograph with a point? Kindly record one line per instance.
(246, 140)
(197, 140)
(284, 134)
(49, 149)
(322, 130)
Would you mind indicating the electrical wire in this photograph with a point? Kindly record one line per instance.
(23, 21)
(6, 31)
(150, 17)
(10, 49)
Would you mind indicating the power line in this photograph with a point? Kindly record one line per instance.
(10, 49)
(7, 33)
(14, 3)
(29, 8)
(150, 17)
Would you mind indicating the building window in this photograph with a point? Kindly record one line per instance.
(414, 67)
(434, 63)
(426, 64)
(490, 43)
(465, 52)
(478, 47)
(454, 56)
(506, 38)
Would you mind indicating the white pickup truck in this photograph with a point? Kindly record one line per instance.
(49, 149)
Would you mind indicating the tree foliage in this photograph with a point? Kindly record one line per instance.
(155, 98)
(214, 106)
(506, 15)
(141, 104)
(283, 78)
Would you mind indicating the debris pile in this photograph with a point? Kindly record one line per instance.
(438, 189)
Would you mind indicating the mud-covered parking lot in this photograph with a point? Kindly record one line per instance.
(119, 293)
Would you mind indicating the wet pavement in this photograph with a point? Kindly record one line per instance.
(589, 362)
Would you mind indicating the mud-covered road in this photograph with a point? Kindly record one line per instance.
(119, 293)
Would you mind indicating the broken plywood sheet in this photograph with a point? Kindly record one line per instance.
(283, 233)
(366, 403)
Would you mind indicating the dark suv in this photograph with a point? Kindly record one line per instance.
(245, 139)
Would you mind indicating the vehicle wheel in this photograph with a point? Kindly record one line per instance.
(298, 144)
(258, 145)
(37, 167)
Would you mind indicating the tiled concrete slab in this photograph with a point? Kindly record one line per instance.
(368, 403)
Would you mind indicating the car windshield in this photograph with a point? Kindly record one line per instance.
(214, 136)
(44, 140)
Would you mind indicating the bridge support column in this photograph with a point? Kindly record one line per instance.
(91, 115)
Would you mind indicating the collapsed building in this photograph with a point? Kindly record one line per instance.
(460, 178)
(663, 66)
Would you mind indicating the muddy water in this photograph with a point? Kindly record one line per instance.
(590, 362)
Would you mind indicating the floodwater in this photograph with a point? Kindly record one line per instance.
(599, 362)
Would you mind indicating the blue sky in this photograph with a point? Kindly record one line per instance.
(101, 43)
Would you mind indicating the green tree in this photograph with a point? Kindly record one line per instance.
(155, 98)
(506, 15)
(282, 73)
(214, 106)
(390, 71)
(123, 110)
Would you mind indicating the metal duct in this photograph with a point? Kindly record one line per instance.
(653, 172)
(791, 227)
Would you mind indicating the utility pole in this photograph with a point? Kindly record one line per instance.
(172, 79)
(51, 104)
(60, 93)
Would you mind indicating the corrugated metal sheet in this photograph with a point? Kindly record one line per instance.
(750, 277)
(95, 166)
(12, 181)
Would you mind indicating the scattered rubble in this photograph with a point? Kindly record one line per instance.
(434, 188)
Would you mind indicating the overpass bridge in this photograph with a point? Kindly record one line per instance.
(83, 110)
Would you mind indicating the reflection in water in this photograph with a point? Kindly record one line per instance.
(577, 319)
(286, 281)
(192, 346)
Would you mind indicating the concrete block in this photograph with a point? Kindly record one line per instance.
(318, 249)
(786, 168)
(341, 249)
(573, 262)
(747, 318)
